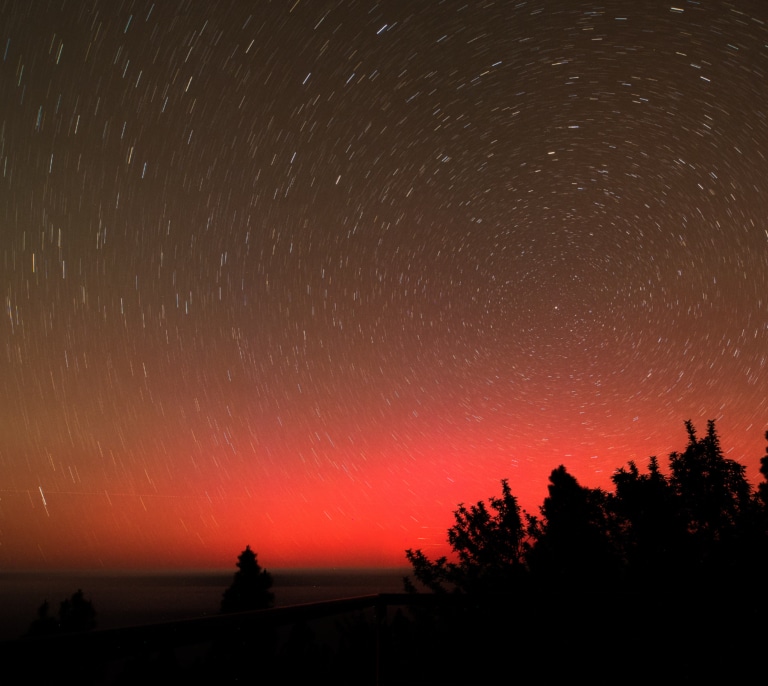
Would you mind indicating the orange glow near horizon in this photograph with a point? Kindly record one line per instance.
(306, 277)
(338, 521)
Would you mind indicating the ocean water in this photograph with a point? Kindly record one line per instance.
(135, 598)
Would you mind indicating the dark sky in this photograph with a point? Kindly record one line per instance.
(306, 274)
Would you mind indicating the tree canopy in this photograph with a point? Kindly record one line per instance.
(701, 519)
(490, 542)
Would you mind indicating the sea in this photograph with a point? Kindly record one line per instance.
(137, 598)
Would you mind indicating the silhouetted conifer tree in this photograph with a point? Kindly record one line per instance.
(713, 490)
(250, 587)
(715, 502)
(759, 531)
(45, 623)
(763, 486)
(75, 614)
(573, 540)
(650, 526)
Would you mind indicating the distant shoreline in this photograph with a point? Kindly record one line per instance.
(135, 597)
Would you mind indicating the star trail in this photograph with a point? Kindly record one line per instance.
(306, 274)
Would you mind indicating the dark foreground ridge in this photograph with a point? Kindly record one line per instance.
(534, 635)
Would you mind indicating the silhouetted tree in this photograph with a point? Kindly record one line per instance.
(45, 623)
(489, 542)
(715, 501)
(683, 554)
(250, 587)
(702, 520)
(759, 531)
(75, 614)
(713, 490)
(234, 654)
(762, 488)
(647, 518)
(573, 541)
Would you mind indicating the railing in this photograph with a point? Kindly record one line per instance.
(81, 651)
(553, 635)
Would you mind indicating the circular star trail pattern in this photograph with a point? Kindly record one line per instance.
(305, 275)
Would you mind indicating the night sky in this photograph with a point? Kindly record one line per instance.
(305, 274)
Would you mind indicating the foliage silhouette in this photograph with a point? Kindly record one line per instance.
(234, 653)
(490, 543)
(702, 519)
(573, 541)
(679, 554)
(762, 489)
(650, 525)
(75, 614)
(250, 587)
(712, 490)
